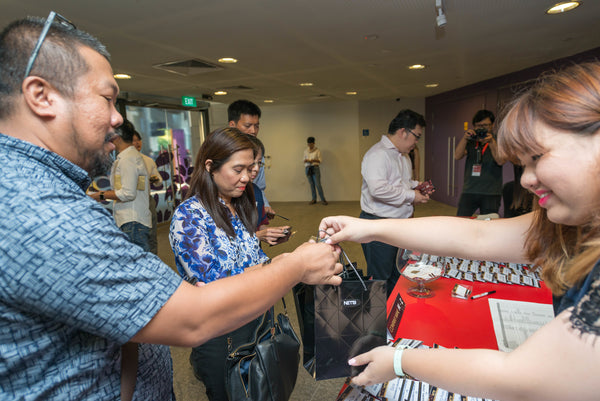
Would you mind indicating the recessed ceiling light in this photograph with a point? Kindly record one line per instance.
(268, 100)
(432, 85)
(416, 67)
(228, 60)
(306, 84)
(220, 93)
(351, 93)
(122, 76)
(563, 6)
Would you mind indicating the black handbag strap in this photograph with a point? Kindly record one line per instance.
(343, 253)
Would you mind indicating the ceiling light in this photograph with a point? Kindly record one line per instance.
(432, 85)
(122, 76)
(220, 93)
(351, 93)
(416, 67)
(563, 6)
(228, 60)
(268, 101)
(306, 84)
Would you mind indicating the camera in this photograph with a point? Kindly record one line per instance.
(480, 133)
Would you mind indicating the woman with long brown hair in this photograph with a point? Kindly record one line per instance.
(213, 236)
(553, 131)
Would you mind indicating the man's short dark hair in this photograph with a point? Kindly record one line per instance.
(406, 119)
(239, 107)
(58, 62)
(482, 115)
(127, 131)
(310, 139)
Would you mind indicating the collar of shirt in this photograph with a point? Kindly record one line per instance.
(387, 143)
(43, 156)
(126, 151)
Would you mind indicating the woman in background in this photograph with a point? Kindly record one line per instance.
(213, 236)
(553, 131)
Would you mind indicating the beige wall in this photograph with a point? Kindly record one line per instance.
(337, 128)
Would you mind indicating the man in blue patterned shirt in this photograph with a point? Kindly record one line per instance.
(73, 290)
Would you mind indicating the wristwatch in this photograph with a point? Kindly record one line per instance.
(101, 196)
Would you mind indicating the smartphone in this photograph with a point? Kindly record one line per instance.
(288, 233)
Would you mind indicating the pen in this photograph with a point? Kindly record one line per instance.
(483, 294)
(272, 215)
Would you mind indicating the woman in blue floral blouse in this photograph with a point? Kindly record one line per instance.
(213, 236)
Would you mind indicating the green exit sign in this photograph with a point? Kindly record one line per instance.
(188, 101)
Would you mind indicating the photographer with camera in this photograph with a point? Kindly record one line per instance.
(482, 187)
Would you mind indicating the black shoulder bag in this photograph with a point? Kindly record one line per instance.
(267, 367)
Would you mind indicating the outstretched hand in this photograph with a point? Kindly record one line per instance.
(342, 228)
(380, 366)
(320, 263)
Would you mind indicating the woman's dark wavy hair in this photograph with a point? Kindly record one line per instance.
(219, 146)
(567, 101)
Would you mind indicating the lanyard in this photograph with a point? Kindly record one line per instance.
(484, 147)
(480, 153)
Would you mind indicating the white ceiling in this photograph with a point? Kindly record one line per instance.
(280, 43)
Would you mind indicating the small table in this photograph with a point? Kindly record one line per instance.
(454, 322)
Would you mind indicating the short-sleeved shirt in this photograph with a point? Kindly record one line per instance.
(204, 250)
(73, 289)
(489, 182)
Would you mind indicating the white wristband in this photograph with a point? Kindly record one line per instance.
(398, 361)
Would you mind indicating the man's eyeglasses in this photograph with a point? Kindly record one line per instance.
(59, 18)
(415, 135)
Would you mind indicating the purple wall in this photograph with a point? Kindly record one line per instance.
(446, 113)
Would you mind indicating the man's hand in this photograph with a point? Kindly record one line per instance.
(95, 195)
(488, 138)
(470, 134)
(420, 198)
(271, 235)
(320, 263)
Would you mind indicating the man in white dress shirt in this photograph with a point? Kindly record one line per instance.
(387, 188)
(131, 189)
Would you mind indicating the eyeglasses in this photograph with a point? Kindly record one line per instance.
(482, 125)
(62, 20)
(415, 135)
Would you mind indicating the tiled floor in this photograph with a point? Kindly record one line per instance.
(304, 219)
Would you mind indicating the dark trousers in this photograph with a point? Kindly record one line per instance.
(381, 258)
(152, 239)
(469, 203)
(209, 359)
(313, 173)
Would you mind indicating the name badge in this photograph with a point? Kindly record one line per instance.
(476, 172)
